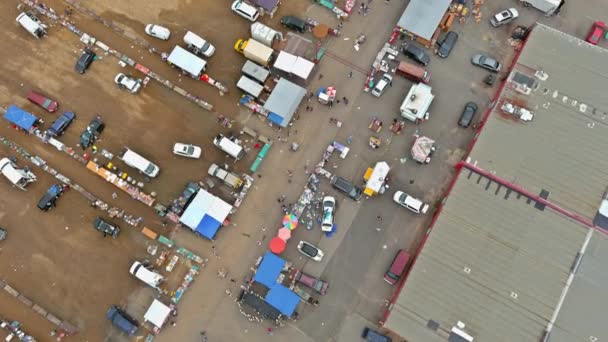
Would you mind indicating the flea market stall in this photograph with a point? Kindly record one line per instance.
(376, 179)
(157, 315)
(206, 214)
(283, 102)
(293, 65)
(21, 119)
(423, 149)
(421, 19)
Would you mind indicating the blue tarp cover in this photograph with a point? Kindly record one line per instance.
(275, 118)
(283, 299)
(208, 227)
(20, 117)
(269, 270)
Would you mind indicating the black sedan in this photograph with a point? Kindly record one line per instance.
(416, 53)
(91, 133)
(467, 115)
(486, 62)
(84, 61)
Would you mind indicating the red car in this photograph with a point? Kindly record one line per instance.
(596, 32)
(42, 101)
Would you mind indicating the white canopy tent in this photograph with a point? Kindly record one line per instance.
(157, 313)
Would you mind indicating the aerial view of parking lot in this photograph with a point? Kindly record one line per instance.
(318, 170)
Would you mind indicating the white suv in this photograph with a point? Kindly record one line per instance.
(131, 84)
(245, 10)
(386, 80)
(329, 209)
(410, 202)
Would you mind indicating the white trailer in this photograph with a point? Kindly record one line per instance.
(19, 177)
(187, 61)
(264, 34)
(417, 102)
(549, 7)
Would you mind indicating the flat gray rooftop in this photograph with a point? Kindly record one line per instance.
(563, 149)
(494, 261)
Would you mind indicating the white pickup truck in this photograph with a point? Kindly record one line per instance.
(19, 177)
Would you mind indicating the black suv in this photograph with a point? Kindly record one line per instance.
(106, 227)
(468, 113)
(293, 23)
(416, 53)
(346, 187)
(91, 133)
(447, 44)
(50, 197)
(84, 61)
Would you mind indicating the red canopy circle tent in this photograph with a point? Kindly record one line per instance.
(277, 246)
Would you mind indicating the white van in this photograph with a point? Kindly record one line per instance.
(140, 163)
(29, 22)
(410, 202)
(141, 272)
(198, 45)
(230, 146)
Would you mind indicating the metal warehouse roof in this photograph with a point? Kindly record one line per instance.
(497, 259)
(421, 17)
(493, 261)
(563, 149)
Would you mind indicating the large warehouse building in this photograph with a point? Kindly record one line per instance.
(517, 251)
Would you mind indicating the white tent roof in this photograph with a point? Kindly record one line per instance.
(285, 61)
(302, 68)
(292, 64)
(203, 204)
(187, 61)
(157, 313)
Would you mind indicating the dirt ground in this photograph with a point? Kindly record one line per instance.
(56, 258)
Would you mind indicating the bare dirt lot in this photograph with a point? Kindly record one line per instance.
(55, 257)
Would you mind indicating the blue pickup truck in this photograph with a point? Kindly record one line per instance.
(122, 320)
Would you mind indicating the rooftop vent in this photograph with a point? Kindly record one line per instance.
(457, 334)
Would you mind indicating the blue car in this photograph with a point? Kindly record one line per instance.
(50, 197)
(62, 123)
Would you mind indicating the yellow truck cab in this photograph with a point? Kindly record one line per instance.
(240, 45)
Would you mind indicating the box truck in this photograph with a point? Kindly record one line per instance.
(255, 51)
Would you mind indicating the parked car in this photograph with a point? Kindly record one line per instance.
(316, 284)
(294, 23)
(310, 251)
(245, 10)
(49, 199)
(122, 320)
(371, 335)
(186, 150)
(42, 101)
(125, 82)
(92, 132)
(346, 187)
(486, 62)
(2, 234)
(106, 227)
(447, 44)
(329, 208)
(158, 31)
(395, 271)
(416, 53)
(504, 17)
(595, 33)
(384, 81)
(85, 61)
(410, 202)
(61, 124)
(468, 113)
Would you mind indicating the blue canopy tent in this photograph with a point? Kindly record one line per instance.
(283, 299)
(20, 118)
(269, 270)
